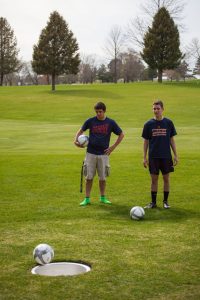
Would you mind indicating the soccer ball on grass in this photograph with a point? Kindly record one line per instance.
(43, 254)
(137, 213)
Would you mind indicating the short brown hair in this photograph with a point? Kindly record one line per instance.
(100, 105)
(159, 102)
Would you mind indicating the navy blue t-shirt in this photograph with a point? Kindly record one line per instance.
(99, 134)
(158, 133)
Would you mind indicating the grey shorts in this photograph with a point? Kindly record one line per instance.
(99, 163)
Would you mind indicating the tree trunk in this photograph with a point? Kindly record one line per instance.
(115, 70)
(53, 78)
(48, 80)
(1, 79)
(160, 76)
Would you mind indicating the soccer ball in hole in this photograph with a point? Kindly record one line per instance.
(137, 213)
(83, 140)
(43, 254)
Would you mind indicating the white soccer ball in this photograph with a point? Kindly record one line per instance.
(137, 213)
(43, 254)
(83, 140)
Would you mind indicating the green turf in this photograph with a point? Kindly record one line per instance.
(157, 258)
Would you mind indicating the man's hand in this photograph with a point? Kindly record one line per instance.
(175, 160)
(145, 163)
(109, 150)
(77, 144)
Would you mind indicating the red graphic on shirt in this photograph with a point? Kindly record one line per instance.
(102, 129)
(159, 132)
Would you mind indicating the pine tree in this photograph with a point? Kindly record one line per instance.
(9, 62)
(161, 43)
(56, 52)
(197, 67)
(182, 69)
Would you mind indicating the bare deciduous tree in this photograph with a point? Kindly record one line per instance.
(115, 69)
(136, 31)
(175, 8)
(27, 74)
(137, 27)
(193, 49)
(87, 69)
(114, 46)
(132, 66)
(179, 73)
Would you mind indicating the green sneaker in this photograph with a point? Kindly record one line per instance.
(85, 202)
(104, 200)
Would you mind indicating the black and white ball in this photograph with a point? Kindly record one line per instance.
(83, 140)
(43, 254)
(137, 213)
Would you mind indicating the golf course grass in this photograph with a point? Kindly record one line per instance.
(156, 258)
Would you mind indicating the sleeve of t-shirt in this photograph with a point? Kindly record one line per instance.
(116, 129)
(86, 125)
(145, 132)
(172, 130)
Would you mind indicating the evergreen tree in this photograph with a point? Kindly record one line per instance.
(183, 69)
(115, 69)
(161, 43)
(149, 74)
(132, 66)
(9, 62)
(197, 66)
(56, 52)
(103, 74)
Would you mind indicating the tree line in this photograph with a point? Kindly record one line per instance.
(56, 57)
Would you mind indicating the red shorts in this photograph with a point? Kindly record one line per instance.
(160, 164)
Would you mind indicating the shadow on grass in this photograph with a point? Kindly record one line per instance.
(115, 210)
(187, 84)
(173, 214)
(89, 93)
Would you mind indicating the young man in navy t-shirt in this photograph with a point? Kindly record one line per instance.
(98, 150)
(158, 134)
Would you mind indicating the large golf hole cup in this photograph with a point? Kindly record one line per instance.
(61, 269)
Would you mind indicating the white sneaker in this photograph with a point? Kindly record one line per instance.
(166, 204)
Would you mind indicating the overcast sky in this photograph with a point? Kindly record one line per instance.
(89, 20)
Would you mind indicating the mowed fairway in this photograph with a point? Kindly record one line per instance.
(157, 258)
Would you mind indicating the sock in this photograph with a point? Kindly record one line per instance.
(166, 194)
(153, 196)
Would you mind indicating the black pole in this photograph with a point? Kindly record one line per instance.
(81, 182)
